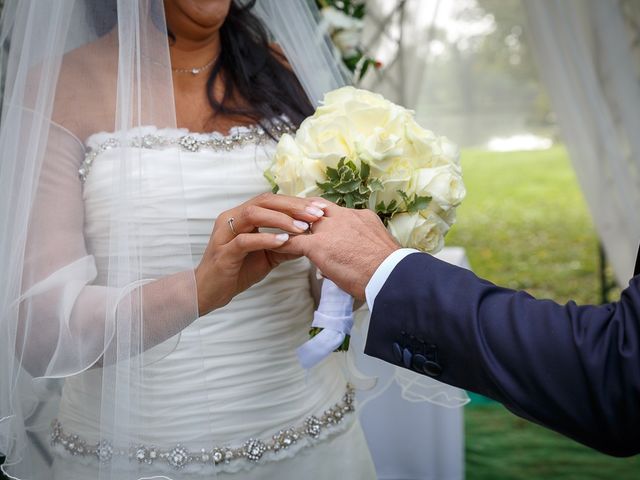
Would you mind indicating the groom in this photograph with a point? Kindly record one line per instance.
(574, 369)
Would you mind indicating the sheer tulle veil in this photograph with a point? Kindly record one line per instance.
(72, 69)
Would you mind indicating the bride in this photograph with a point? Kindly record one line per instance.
(147, 329)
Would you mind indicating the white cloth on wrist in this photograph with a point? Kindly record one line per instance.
(379, 278)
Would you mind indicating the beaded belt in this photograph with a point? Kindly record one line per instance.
(179, 456)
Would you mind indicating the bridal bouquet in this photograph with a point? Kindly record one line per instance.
(360, 150)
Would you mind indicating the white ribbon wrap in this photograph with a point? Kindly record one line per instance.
(335, 316)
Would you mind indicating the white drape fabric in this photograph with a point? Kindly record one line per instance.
(584, 57)
(398, 33)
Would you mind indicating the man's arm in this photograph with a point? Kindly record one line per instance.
(575, 369)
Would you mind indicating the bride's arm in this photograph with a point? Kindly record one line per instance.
(65, 323)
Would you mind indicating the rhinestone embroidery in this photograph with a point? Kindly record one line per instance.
(179, 456)
(254, 135)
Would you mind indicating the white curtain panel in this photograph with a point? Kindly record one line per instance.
(398, 33)
(585, 58)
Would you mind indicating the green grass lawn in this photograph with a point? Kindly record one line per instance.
(525, 225)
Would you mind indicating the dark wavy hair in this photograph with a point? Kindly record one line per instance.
(258, 83)
(252, 69)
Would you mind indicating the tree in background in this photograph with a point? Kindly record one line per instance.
(504, 52)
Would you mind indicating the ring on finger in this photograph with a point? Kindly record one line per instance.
(230, 223)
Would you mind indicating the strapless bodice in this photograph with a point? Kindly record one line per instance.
(233, 373)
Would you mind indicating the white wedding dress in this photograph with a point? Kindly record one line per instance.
(232, 376)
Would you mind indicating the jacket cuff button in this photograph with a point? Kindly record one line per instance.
(397, 352)
(406, 357)
(433, 369)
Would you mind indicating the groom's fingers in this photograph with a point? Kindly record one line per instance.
(299, 245)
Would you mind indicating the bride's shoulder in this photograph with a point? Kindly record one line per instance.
(85, 92)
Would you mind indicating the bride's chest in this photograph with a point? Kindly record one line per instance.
(187, 177)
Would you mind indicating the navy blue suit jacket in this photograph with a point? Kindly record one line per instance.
(574, 369)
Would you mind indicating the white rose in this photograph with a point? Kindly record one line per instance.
(338, 97)
(443, 184)
(379, 147)
(365, 117)
(447, 216)
(421, 144)
(446, 153)
(356, 124)
(347, 42)
(336, 19)
(295, 173)
(396, 177)
(327, 138)
(415, 230)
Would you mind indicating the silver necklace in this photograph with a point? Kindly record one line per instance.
(195, 70)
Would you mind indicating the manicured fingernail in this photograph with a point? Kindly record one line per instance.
(319, 204)
(316, 212)
(282, 237)
(300, 225)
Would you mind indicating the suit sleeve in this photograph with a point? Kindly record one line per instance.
(574, 369)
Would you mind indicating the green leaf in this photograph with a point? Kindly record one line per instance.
(365, 66)
(332, 174)
(365, 169)
(342, 348)
(347, 187)
(275, 189)
(347, 175)
(348, 200)
(352, 166)
(332, 197)
(352, 62)
(420, 203)
(268, 174)
(375, 185)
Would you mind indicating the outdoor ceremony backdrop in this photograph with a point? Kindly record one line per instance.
(543, 96)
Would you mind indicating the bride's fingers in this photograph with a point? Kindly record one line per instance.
(249, 218)
(305, 209)
(253, 216)
(245, 243)
(291, 214)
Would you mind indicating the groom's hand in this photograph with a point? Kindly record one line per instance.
(346, 245)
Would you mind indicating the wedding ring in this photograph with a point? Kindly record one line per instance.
(230, 222)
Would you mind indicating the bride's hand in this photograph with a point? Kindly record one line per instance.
(239, 256)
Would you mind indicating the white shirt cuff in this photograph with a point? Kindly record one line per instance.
(382, 273)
